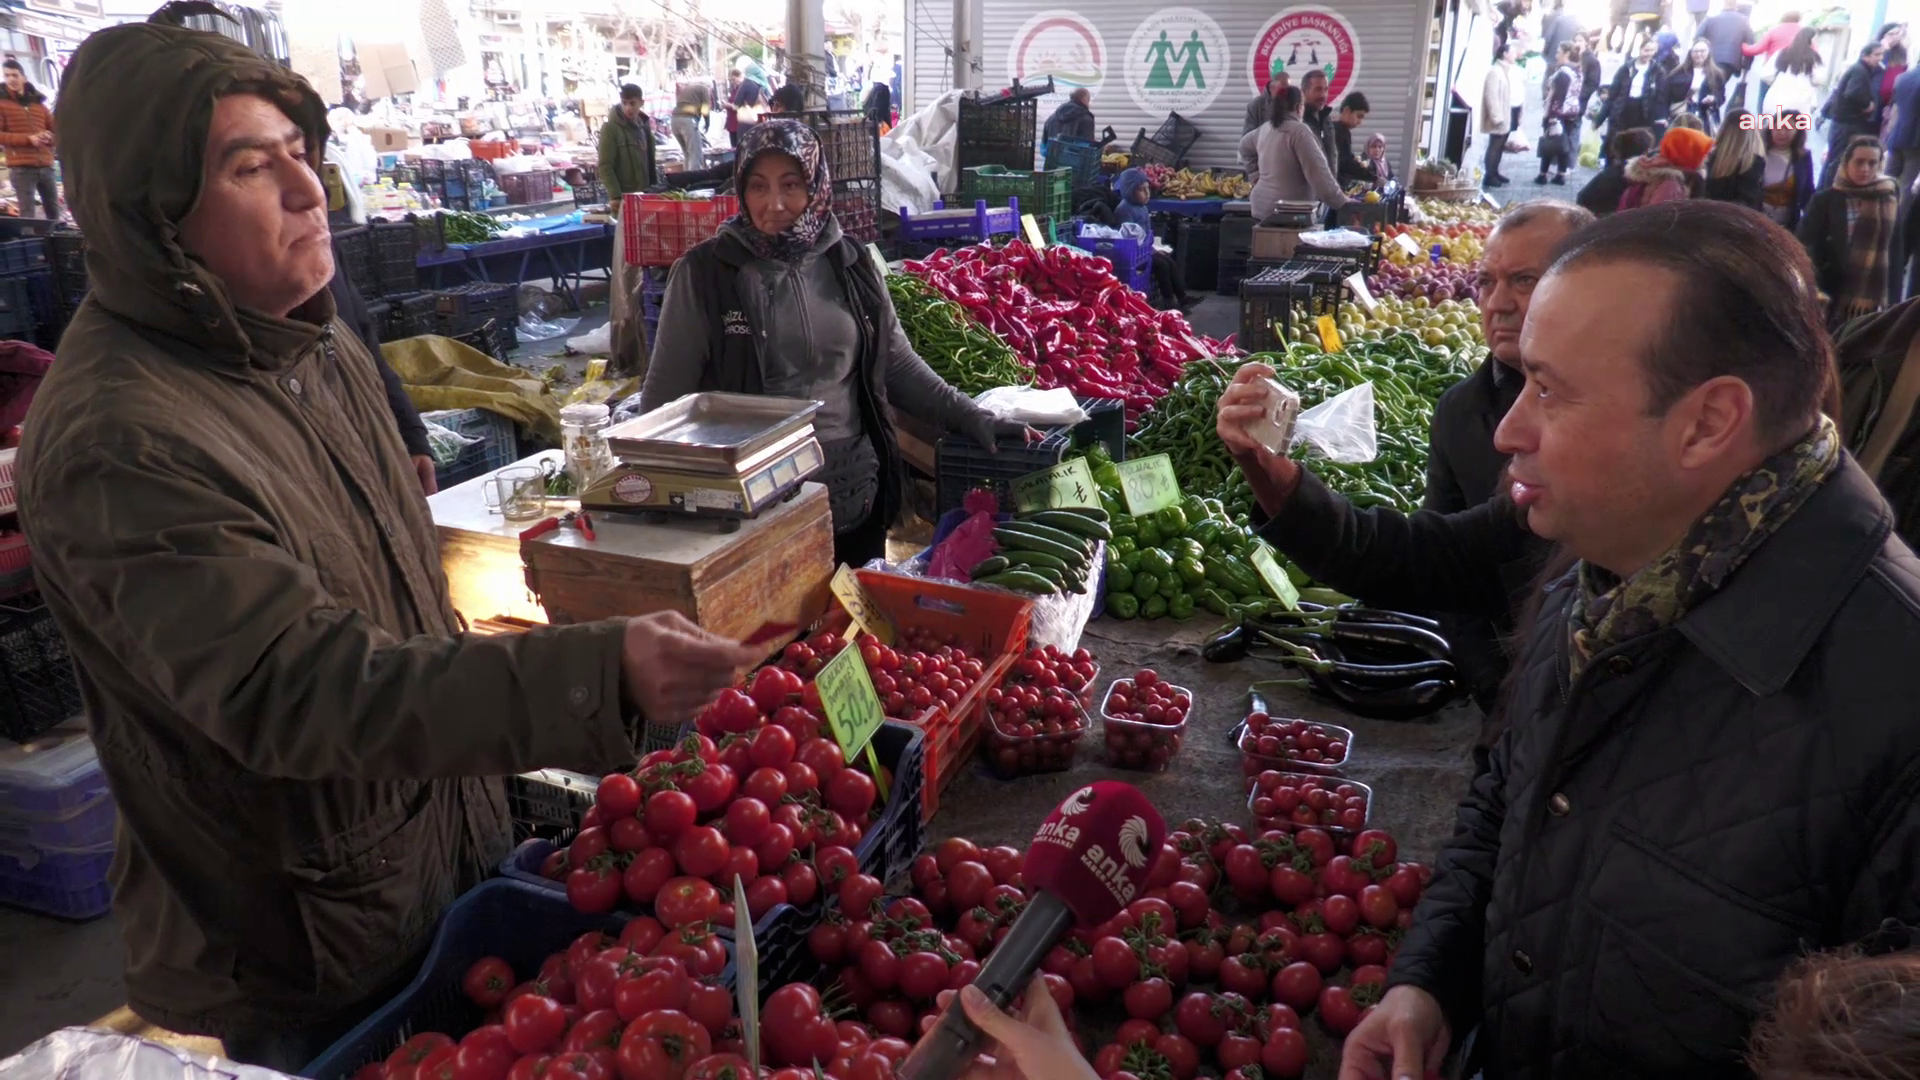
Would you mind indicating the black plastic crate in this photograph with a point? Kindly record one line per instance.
(50, 315)
(999, 131)
(353, 257)
(548, 803)
(849, 143)
(962, 465)
(20, 256)
(495, 337)
(1177, 133)
(1198, 246)
(1269, 297)
(1147, 151)
(411, 316)
(475, 302)
(857, 204)
(589, 193)
(37, 687)
(16, 308)
(396, 257)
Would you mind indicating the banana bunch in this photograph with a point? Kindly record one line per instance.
(1188, 184)
(1045, 552)
(1235, 187)
(1116, 160)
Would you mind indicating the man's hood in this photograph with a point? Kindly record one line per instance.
(129, 194)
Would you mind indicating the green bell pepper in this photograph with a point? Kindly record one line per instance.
(1123, 605)
(1187, 548)
(1170, 586)
(1192, 572)
(1125, 524)
(1153, 560)
(1112, 503)
(1205, 533)
(1097, 455)
(1149, 532)
(1122, 546)
(1119, 578)
(1180, 607)
(1230, 575)
(1173, 521)
(1107, 477)
(1300, 578)
(1154, 608)
(1194, 508)
(1146, 584)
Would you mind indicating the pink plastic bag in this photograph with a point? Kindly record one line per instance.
(970, 544)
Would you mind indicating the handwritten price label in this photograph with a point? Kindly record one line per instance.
(1276, 579)
(1069, 483)
(1358, 284)
(1407, 244)
(1149, 484)
(1329, 333)
(866, 614)
(1032, 228)
(853, 708)
(746, 968)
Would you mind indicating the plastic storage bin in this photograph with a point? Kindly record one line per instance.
(659, 230)
(1047, 192)
(961, 465)
(396, 257)
(56, 827)
(1131, 257)
(1134, 744)
(997, 131)
(498, 446)
(515, 921)
(37, 687)
(353, 256)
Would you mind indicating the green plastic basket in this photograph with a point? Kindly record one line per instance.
(1043, 193)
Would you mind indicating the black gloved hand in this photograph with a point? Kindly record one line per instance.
(984, 429)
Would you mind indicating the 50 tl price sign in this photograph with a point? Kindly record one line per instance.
(1068, 484)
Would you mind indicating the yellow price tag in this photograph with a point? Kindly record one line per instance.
(1329, 333)
(1276, 579)
(867, 616)
(1032, 228)
(1069, 483)
(1148, 484)
(847, 696)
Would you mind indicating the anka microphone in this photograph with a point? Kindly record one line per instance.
(1091, 858)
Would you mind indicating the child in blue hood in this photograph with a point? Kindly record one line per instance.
(1134, 190)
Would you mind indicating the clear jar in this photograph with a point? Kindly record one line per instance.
(583, 438)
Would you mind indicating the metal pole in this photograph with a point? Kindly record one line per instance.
(807, 48)
(963, 45)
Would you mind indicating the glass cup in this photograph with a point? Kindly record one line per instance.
(517, 492)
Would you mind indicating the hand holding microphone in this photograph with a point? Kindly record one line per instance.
(1032, 1046)
(1091, 858)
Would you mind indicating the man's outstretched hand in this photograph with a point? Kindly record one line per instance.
(1406, 1032)
(670, 667)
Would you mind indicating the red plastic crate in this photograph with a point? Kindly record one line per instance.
(659, 230)
(14, 555)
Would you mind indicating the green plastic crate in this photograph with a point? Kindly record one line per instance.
(1042, 193)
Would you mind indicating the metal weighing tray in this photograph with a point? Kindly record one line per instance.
(672, 460)
(714, 432)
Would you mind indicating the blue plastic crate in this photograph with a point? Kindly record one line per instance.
(16, 308)
(69, 884)
(19, 256)
(509, 919)
(1132, 259)
(498, 446)
(942, 223)
(1080, 155)
(886, 851)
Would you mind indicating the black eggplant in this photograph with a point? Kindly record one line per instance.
(1411, 701)
(1227, 646)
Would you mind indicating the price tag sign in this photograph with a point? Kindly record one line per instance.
(1407, 245)
(1149, 484)
(853, 708)
(1358, 284)
(1329, 333)
(879, 260)
(1276, 579)
(1069, 483)
(1032, 229)
(746, 971)
(867, 616)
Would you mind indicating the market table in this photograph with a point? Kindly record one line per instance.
(1194, 208)
(566, 250)
(772, 569)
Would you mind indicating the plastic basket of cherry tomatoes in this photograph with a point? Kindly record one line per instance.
(1078, 671)
(1285, 745)
(1145, 719)
(1031, 729)
(1282, 800)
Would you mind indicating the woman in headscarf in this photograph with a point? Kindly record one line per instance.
(781, 303)
(1849, 231)
(1670, 173)
(1377, 160)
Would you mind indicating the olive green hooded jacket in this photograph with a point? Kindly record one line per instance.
(229, 533)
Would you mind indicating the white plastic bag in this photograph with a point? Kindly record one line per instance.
(84, 1054)
(1041, 408)
(597, 340)
(1341, 427)
(444, 443)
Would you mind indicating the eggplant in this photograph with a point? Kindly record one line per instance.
(1227, 646)
(1411, 701)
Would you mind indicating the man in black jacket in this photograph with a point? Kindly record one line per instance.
(1854, 107)
(1463, 467)
(1712, 765)
(352, 309)
(1072, 120)
(1317, 114)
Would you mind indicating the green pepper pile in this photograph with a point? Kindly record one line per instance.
(971, 358)
(1178, 562)
(463, 227)
(1181, 426)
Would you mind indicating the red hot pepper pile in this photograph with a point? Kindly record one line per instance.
(1066, 315)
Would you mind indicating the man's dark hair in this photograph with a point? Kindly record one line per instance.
(1310, 76)
(1871, 46)
(1355, 102)
(630, 92)
(13, 65)
(790, 98)
(1286, 105)
(1742, 302)
(1631, 143)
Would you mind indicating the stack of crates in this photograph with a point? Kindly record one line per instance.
(353, 257)
(997, 131)
(56, 826)
(395, 257)
(850, 146)
(485, 316)
(411, 315)
(29, 307)
(1045, 193)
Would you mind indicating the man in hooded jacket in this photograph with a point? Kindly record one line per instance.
(230, 537)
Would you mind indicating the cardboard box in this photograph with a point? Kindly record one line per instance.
(387, 140)
(1273, 243)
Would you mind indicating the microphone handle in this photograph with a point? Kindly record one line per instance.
(946, 1050)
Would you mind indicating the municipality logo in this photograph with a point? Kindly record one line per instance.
(1177, 61)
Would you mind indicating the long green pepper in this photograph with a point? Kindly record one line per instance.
(971, 358)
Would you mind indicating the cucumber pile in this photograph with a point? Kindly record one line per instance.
(1045, 552)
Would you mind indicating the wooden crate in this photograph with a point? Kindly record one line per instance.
(775, 569)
